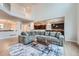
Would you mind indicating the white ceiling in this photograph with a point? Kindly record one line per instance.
(4, 15)
(51, 21)
(45, 11)
(33, 4)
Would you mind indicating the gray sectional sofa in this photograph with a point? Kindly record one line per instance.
(54, 37)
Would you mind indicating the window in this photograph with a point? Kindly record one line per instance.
(1, 26)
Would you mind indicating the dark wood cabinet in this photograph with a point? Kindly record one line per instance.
(39, 26)
(57, 26)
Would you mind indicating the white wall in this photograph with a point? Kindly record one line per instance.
(71, 24)
(19, 27)
(48, 26)
(26, 27)
(48, 11)
(77, 11)
(31, 26)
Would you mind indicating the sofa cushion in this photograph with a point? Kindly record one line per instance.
(23, 33)
(33, 33)
(58, 34)
(53, 34)
(47, 33)
(42, 33)
(47, 39)
(61, 37)
(54, 39)
(29, 33)
(28, 39)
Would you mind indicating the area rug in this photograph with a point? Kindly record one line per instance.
(39, 50)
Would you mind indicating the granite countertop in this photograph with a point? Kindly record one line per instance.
(5, 30)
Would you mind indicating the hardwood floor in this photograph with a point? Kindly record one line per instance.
(4, 45)
(70, 49)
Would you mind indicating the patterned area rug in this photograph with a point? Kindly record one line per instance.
(38, 50)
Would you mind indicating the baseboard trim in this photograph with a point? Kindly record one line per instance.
(72, 41)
